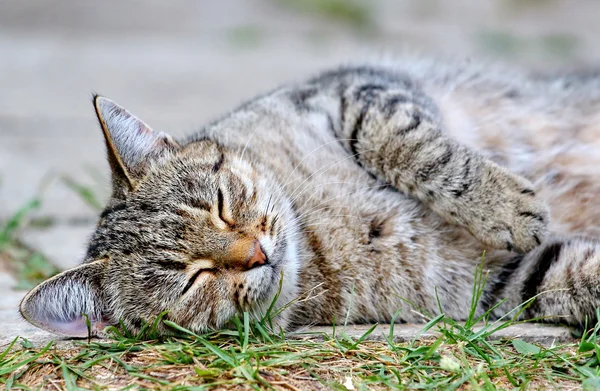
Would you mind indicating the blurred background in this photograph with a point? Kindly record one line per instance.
(178, 64)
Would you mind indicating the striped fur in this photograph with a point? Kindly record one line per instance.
(368, 188)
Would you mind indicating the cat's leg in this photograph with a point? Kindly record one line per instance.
(395, 132)
(563, 275)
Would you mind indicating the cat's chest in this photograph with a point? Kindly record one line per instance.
(351, 213)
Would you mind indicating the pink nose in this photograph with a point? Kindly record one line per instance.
(258, 258)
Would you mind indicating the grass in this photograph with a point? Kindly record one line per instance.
(27, 265)
(248, 356)
(505, 43)
(246, 36)
(86, 193)
(353, 13)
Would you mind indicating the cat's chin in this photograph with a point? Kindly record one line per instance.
(276, 280)
(284, 277)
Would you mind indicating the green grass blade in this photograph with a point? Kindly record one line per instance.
(8, 349)
(5, 370)
(246, 332)
(428, 326)
(363, 337)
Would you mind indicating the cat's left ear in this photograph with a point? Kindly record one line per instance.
(130, 143)
(69, 303)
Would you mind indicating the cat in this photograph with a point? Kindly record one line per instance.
(365, 192)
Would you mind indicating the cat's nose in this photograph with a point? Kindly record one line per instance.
(258, 258)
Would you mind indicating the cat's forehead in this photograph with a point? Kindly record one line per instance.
(199, 167)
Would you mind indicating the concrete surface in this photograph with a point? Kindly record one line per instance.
(12, 325)
(177, 64)
(546, 335)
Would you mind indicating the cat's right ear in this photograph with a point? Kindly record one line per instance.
(69, 302)
(131, 144)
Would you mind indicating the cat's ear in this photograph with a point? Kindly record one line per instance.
(68, 302)
(130, 143)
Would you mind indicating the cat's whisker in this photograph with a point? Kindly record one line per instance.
(275, 220)
(302, 214)
(310, 295)
(362, 218)
(321, 185)
(286, 182)
(323, 170)
(250, 138)
(299, 209)
(268, 204)
(296, 234)
(290, 228)
(337, 141)
(320, 171)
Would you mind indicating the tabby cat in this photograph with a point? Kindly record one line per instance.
(362, 192)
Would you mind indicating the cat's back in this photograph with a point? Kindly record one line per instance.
(501, 111)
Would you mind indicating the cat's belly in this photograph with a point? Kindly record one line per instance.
(368, 253)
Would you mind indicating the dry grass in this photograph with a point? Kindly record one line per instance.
(248, 358)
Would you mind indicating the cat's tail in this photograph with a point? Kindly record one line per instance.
(559, 281)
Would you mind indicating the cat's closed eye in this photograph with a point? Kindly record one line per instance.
(195, 276)
(272, 229)
(221, 209)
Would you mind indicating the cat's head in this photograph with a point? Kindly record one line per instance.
(190, 229)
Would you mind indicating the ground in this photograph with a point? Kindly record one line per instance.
(181, 63)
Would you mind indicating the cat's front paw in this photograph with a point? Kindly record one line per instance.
(506, 212)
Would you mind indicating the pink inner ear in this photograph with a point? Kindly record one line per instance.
(75, 328)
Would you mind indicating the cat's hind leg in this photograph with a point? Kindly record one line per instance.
(559, 282)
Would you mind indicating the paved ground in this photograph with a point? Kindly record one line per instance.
(180, 63)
